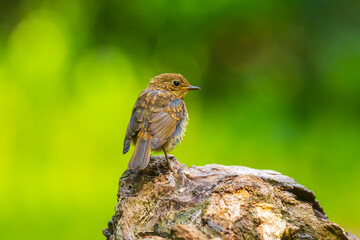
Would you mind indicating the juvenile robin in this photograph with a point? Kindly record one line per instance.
(159, 118)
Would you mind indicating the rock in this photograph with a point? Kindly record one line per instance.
(216, 202)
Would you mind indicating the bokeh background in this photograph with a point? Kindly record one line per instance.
(280, 87)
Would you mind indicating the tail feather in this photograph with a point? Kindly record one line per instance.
(141, 154)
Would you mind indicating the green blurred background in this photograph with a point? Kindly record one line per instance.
(280, 87)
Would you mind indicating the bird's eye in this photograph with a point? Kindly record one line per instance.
(176, 83)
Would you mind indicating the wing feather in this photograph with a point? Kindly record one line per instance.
(162, 127)
(132, 129)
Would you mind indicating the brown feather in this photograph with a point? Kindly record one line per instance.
(141, 154)
(132, 128)
(162, 127)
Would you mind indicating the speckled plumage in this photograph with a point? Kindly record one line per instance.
(159, 118)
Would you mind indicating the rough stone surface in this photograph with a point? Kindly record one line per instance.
(216, 202)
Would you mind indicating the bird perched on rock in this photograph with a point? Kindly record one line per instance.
(159, 118)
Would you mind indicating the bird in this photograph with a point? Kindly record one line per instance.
(158, 119)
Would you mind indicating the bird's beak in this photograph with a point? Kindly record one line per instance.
(192, 88)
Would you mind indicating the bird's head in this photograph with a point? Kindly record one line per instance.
(172, 82)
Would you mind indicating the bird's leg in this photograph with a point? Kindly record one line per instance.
(167, 159)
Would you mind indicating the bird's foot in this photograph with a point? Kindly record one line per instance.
(171, 166)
